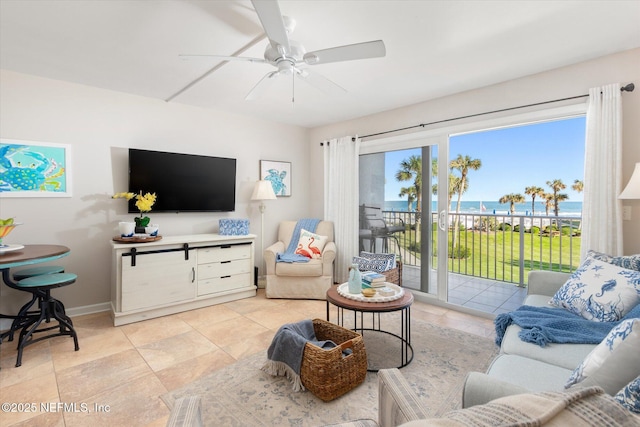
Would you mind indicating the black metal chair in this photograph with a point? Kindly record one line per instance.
(373, 227)
(24, 313)
(29, 322)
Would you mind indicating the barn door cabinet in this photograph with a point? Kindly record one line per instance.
(179, 273)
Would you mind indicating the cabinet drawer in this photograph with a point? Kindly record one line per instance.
(221, 284)
(225, 268)
(224, 253)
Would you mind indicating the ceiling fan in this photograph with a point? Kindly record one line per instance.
(289, 56)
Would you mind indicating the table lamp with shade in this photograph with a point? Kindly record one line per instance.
(632, 190)
(262, 191)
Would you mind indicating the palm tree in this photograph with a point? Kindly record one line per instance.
(454, 183)
(548, 202)
(410, 192)
(534, 191)
(434, 176)
(578, 186)
(464, 164)
(557, 185)
(459, 185)
(512, 199)
(411, 169)
(455, 187)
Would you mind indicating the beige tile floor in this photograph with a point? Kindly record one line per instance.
(119, 374)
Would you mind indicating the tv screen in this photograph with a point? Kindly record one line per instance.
(183, 182)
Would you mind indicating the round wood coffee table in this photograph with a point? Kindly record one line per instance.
(359, 308)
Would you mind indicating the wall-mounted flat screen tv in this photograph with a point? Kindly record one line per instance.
(183, 182)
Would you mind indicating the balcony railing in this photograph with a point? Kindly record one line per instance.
(499, 247)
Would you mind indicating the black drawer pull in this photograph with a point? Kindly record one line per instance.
(225, 277)
(225, 262)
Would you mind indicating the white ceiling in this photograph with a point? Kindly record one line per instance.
(434, 48)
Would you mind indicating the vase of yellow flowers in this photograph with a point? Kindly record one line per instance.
(143, 203)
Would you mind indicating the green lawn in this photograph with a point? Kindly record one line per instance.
(496, 254)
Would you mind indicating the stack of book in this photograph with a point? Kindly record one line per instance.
(372, 279)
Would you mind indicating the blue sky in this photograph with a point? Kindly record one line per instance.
(512, 159)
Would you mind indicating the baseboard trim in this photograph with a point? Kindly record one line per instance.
(88, 309)
(5, 324)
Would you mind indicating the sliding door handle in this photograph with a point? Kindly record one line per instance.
(442, 220)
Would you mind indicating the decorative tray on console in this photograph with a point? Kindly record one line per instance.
(343, 290)
(137, 238)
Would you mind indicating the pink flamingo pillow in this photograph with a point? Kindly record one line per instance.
(311, 244)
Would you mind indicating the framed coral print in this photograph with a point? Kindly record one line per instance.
(34, 169)
(279, 174)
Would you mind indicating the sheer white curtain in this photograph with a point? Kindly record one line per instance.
(341, 197)
(602, 211)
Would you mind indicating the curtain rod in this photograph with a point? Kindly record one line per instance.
(627, 88)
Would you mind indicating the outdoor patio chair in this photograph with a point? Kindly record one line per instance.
(373, 227)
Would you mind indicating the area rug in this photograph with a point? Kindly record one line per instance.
(243, 395)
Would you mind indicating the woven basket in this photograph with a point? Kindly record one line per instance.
(394, 275)
(327, 373)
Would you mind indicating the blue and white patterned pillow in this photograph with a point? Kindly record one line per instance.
(612, 363)
(629, 397)
(390, 259)
(599, 291)
(632, 262)
(365, 264)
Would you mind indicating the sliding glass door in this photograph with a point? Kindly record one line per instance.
(399, 205)
(476, 206)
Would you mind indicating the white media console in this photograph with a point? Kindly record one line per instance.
(179, 273)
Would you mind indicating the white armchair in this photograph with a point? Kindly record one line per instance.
(307, 280)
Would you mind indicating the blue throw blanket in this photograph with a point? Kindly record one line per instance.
(287, 348)
(544, 325)
(290, 254)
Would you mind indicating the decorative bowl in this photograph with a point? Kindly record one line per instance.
(368, 292)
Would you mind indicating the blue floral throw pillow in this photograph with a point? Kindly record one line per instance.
(629, 397)
(612, 363)
(632, 262)
(599, 291)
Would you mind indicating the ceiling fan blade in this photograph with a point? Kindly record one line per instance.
(260, 87)
(272, 22)
(320, 82)
(372, 49)
(223, 57)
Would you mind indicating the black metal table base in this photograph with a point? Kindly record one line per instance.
(406, 350)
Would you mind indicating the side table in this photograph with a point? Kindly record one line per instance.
(359, 308)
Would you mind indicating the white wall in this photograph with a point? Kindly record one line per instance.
(100, 125)
(555, 84)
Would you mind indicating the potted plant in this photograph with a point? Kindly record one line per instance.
(144, 204)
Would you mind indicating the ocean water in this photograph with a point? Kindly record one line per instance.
(566, 208)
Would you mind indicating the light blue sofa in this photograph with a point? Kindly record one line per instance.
(523, 367)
